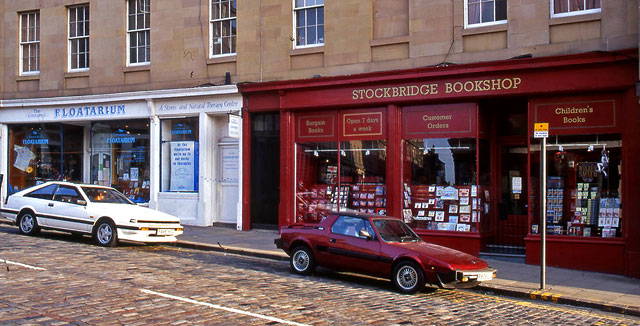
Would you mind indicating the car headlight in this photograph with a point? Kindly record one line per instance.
(133, 220)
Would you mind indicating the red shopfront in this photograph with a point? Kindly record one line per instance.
(451, 151)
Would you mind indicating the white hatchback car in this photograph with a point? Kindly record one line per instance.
(102, 212)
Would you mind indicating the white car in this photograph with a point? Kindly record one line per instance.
(100, 211)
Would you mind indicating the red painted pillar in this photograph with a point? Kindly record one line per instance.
(287, 170)
(246, 169)
(394, 162)
(630, 181)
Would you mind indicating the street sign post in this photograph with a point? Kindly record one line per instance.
(541, 130)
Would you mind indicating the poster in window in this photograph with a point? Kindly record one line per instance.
(134, 172)
(231, 165)
(182, 176)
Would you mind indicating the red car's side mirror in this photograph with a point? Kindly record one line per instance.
(365, 234)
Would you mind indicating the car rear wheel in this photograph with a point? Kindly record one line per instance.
(408, 277)
(302, 261)
(105, 234)
(28, 223)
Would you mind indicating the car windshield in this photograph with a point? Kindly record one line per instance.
(395, 231)
(105, 195)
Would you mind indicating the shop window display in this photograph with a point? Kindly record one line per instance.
(350, 176)
(441, 190)
(362, 173)
(317, 189)
(180, 152)
(120, 157)
(583, 186)
(44, 152)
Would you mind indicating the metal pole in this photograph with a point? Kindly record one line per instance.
(543, 212)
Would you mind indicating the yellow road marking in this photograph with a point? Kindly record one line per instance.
(591, 313)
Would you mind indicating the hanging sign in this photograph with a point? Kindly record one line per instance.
(235, 122)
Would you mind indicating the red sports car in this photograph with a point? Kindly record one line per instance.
(380, 246)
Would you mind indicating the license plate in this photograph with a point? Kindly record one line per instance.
(164, 232)
(488, 276)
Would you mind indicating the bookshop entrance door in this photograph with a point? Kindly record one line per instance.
(512, 191)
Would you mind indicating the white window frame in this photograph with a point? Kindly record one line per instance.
(495, 22)
(212, 21)
(295, 26)
(27, 44)
(572, 13)
(78, 38)
(137, 30)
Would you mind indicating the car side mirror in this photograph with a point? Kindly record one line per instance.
(81, 202)
(365, 234)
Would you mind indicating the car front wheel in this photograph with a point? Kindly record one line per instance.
(28, 223)
(105, 234)
(302, 261)
(408, 277)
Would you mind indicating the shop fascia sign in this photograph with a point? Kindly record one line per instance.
(226, 104)
(565, 116)
(75, 113)
(433, 120)
(437, 89)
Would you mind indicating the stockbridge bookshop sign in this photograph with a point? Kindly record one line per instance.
(436, 89)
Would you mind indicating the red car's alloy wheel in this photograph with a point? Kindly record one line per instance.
(302, 261)
(408, 277)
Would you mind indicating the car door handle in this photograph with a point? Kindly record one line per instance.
(332, 240)
(50, 204)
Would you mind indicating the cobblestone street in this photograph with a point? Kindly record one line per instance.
(54, 279)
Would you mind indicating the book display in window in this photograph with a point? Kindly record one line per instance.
(318, 201)
(580, 205)
(451, 208)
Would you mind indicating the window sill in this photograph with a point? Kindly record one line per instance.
(310, 50)
(73, 74)
(390, 40)
(28, 77)
(137, 68)
(575, 19)
(484, 29)
(222, 59)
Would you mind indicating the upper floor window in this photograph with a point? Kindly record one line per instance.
(30, 43)
(222, 27)
(561, 8)
(138, 32)
(79, 38)
(485, 12)
(309, 22)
